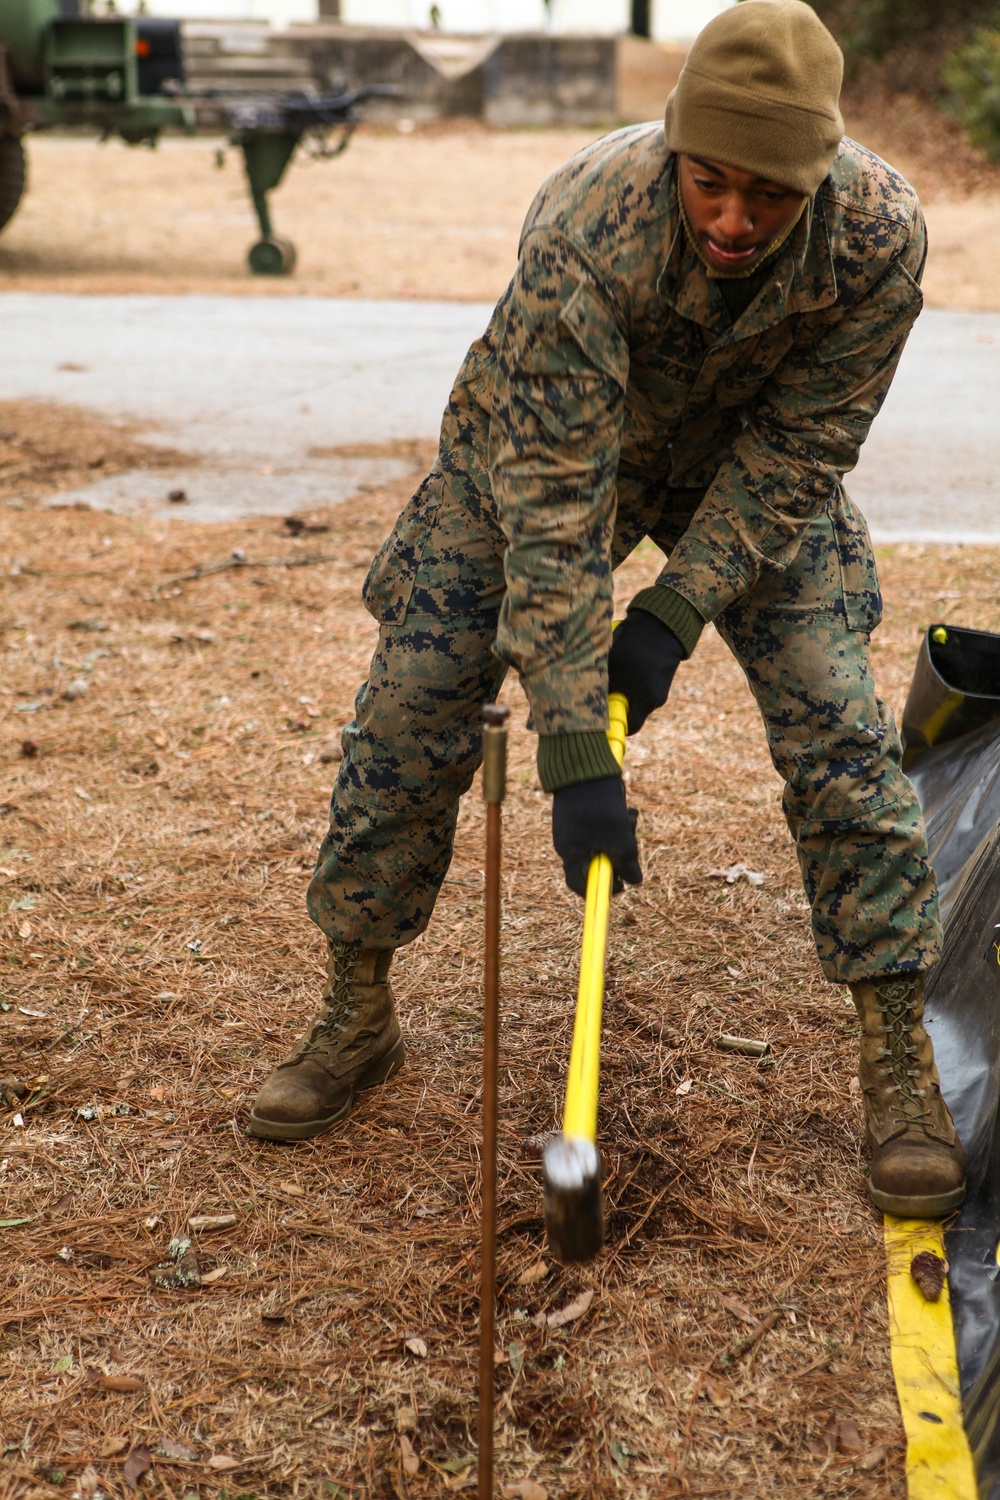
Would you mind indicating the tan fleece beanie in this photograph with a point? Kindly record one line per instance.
(760, 91)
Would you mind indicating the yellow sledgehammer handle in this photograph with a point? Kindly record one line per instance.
(580, 1110)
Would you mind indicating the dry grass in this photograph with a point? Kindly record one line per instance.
(155, 836)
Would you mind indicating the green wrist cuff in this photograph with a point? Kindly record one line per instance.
(672, 610)
(565, 759)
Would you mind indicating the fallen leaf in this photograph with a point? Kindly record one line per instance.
(121, 1384)
(13, 1090)
(871, 1459)
(167, 1448)
(113, 1447)
(534, 1273)
(181, 1270)
(571, 1311)
(739, 1310)
(407, 1457)
(525, 1489)
(739, 872)
(221, 1461)
(416, 1346)
(929, 1271)
(620, 1455)
(87, 1484)
(458, 1465)
(716, 1393)
(849, 1439)
(139, 1462)
(215, 1275)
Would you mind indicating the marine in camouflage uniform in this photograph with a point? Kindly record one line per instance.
(622, 391)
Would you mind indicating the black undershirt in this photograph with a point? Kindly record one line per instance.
(739, 291)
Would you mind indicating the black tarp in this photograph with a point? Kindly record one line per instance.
(951, 736)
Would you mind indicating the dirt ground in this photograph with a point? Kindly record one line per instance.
(433, 213)
(167, 743)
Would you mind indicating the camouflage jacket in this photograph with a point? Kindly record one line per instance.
(612, 397)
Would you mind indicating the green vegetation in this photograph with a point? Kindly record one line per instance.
(887, 31)
(947, 53)
(971, 79)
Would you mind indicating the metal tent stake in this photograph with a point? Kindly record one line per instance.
(494, 785)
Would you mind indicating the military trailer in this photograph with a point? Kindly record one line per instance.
(124, 76)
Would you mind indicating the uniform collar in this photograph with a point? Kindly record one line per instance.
(803, 278)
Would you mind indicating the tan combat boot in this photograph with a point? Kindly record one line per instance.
(354, 1043)
(918, 1165)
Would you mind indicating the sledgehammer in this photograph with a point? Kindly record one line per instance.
(571, 1165)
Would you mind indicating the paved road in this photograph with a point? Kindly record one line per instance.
(250, 385)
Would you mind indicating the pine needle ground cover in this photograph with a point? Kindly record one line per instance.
(189, 1312)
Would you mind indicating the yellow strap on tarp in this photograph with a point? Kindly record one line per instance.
(582, 1080)
(925, 1365)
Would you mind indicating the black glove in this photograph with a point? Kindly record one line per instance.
(642, 661)
(591, 818)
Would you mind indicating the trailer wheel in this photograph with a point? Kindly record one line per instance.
(272, 257)
(12, 174)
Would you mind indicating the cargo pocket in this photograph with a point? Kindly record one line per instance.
(389, 582)
(858, 572)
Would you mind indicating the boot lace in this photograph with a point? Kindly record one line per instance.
(340, 1001)
(899, 1055)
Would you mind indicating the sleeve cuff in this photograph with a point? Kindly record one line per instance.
(672, 610)
(565, 759)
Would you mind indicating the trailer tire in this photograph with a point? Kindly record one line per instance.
(12, 176)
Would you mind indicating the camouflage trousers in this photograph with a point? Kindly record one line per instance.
(802, 639)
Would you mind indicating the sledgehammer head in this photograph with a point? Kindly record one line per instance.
(574, 1219)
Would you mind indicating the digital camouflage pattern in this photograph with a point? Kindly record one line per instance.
(610, 398)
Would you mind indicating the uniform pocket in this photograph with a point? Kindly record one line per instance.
(832, 574)
(443, 559)
(388, 584)
(585, 312)
(858, 571)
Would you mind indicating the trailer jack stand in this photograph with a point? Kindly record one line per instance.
(266, 154)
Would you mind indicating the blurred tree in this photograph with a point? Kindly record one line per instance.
(971, 77)
(907, 38)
